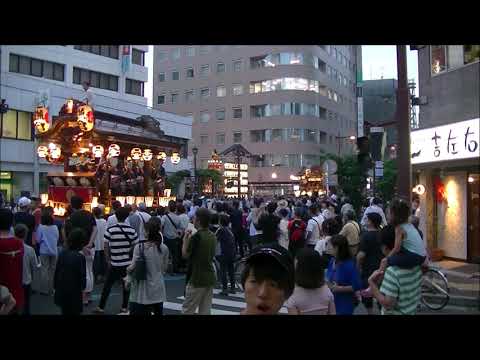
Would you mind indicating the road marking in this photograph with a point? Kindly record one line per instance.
(231, 303)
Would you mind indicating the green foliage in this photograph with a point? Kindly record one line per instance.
(174, 180)
(350, 179)
(385, 187)
(206, 174)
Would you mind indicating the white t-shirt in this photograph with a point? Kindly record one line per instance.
(112, 220)
(99, 239)
(283, 238)
(314, 226)
(142, 234)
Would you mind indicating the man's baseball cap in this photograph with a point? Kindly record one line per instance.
(277, 252)
(24, 201)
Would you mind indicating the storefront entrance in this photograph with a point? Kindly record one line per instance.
(473, 206)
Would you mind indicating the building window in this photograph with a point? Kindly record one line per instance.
(189, 74)
(237, 137)
(220, 114)
(110, 51)
(204, 49)
(203, 139)
(237, 89)
(161, 55)
(161, 77)
(237, 113)
(175, 75)
(221, 91)
(134, 87)
(204, 93)
(439, 58)
(220, 139)
(189, 96)
(190, 51)
(38, 68)
(471, 53)
(96, 79)
(138, 57)
(257, 136)
(174, 97)
(284, 84)
(237, 65)
(204, 117)
(17, 125)
(204, 70)
(161, 99)
(176, 54)
(220, 68)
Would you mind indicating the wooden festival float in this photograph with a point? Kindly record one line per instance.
(311, 181)
(114, 158)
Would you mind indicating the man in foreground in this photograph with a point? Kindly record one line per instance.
(268, 280)
(400, 289)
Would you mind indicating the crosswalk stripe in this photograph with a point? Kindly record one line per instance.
(231, 303)
(177, 306)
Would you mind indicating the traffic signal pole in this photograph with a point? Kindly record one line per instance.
(404, 173)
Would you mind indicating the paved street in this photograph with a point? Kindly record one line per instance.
(222, 305)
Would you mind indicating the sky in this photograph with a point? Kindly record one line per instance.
(378, 61)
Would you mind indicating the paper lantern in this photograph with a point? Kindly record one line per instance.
(130, 200)
(44, 198)
(162, 155)
(42, 151)
(85, 118)
(139, 200)
(175, 158)
(167, 192)
(136, 153)
(97, 151)
(94, 202)
(40, 119)
(113, 150)
(149, 201)
(121, 199)
(55, 153)
(147, 155)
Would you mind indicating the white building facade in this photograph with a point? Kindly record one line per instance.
(56, 73)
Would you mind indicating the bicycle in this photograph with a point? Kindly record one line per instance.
(435, 292)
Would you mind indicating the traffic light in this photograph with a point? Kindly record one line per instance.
(363, 157)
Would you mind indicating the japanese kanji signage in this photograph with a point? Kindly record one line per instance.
(448, 142)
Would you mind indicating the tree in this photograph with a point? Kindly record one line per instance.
(174, 180)
(350, 178)
(385, 186)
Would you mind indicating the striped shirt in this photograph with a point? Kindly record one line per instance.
(404, 285)
(121, 243)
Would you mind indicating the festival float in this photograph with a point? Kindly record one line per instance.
(114, 158)
(311, 181)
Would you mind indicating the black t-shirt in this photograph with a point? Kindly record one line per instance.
(236, 219)
(80, 219)
(29, 221)
(370, 245)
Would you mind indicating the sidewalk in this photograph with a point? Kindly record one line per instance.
(463, 281)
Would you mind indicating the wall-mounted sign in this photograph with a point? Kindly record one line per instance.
(448, 142)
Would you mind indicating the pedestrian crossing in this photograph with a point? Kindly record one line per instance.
(221, 305)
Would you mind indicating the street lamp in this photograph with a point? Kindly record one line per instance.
(195, 152)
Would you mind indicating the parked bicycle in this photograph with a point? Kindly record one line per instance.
(434, 288)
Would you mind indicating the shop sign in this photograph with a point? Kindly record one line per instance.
(448, 142)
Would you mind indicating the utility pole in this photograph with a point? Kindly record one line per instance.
(404, 173)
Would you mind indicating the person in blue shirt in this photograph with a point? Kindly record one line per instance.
(342, 276)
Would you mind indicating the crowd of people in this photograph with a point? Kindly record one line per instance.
(313, 255)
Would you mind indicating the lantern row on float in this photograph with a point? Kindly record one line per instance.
(145, 155)
(51, 152)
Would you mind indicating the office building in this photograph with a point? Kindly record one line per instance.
(284, 104)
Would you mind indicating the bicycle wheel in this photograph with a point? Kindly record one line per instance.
(435, 291)
(239, 266)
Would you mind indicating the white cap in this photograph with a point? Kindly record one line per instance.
(23, 202)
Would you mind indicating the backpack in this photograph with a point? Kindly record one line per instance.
(296, 231)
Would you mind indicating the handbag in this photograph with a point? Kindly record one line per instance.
(140, 271)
